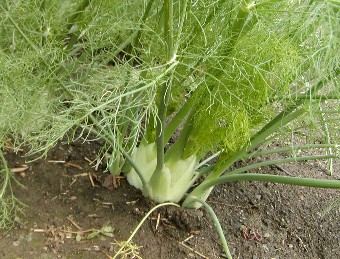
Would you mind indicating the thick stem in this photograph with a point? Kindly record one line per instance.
(279, 161)
(310, 182)
(166, 86)
(162, 107)
(168, 29)
(176, 151)
(184, 4)
(178, 118)
(240, 24)
(327, 139)
(288, 149)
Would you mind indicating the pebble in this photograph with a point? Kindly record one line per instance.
(266, 235)
(265, 247)
(16, 243)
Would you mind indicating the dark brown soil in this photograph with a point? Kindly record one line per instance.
(259, 220)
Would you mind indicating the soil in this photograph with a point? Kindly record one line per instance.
(75, 210)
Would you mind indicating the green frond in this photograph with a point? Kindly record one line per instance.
(259, 67)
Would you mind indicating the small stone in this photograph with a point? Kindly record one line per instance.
(258, 197)
(266, 235)
(73, 198)
(16, 243)
(198, 213)
(265, 247)
(290, 246)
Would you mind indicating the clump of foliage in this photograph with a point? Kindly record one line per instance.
(224, 76)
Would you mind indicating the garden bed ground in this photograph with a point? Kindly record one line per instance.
(259, 220)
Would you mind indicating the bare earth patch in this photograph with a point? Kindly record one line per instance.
(75, 211)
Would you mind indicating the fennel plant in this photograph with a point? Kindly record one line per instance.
(223, 77)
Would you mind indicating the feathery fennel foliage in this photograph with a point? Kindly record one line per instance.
(226, 76)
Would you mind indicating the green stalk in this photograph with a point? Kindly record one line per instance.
(178, 119)
(324, 97)
(207, 160)
(216, 223)
(288, 149)
(309, 182)
(279, 161)
(272, 151)
(205, 170)
(242, 23)
(328, 140)
(184, 4)
(210, 167)
(166, 86)
(162, 107)
(168, 30)
(176, 151)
